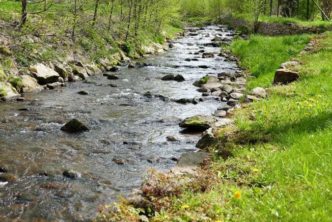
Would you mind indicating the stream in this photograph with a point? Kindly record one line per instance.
(127, 136)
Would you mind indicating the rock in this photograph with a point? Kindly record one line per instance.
(227, 88)
(7, 91)
(80, 72)
(186, 101)
(113, 69)
(71, 174)
(217, 39)
(203, 66)
(3, 169)
(236, 96)
(193, 159)
(55, 85)
(259, 92)
(197, 123)
(113, 85)
(59, 68)
(44, 74)
(171, 77)
(171, 138)
(179, 78)
(92, 69)
(118, 161)
(285, 76)
(289, 64)
(214, 86)
(148, 94)
(131, 65)
(74, 126)
(83, 92)
(140, 202)
(220, 113)
(223, 122)
(207, 55)
(111, 76)
(207, 140)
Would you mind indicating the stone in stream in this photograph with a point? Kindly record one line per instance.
(285, 76)
(171, 77)
(44, 74)
(113, 69)
(203, 66)
(71, 174)
(111, 76)
(83, 93)
(207, 55)
(171, 139)
(74, 126)
(220, 113)
(113, 85)
(118, 161)
(198, 123)
(186, 101)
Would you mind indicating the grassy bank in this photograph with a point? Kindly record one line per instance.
(280, 169)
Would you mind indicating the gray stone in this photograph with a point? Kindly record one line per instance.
(44, 74)
(259, 92)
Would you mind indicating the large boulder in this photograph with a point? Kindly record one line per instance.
(7, 92)
(198, 123)
(30, 84)
(74, 126)
(285, 76)
(44, 74)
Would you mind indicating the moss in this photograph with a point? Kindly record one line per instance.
(16, 82)
(202, 81)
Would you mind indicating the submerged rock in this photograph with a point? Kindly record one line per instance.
(83, 92)
(71, 174)
(197, 123)
(74, 126)
(171, 138)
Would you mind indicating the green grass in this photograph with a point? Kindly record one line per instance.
(282, 154)
(262, 55)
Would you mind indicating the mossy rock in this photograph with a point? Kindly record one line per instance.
(16, 82)
(202, 81)
(197, 123)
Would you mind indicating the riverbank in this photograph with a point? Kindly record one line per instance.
(280, 147)
(45, 53)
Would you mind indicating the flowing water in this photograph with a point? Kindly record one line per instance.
(125, 125)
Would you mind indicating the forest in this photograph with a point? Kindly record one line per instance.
(165, 110)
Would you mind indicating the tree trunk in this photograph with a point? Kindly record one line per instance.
(95, 14)
(24, 14)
